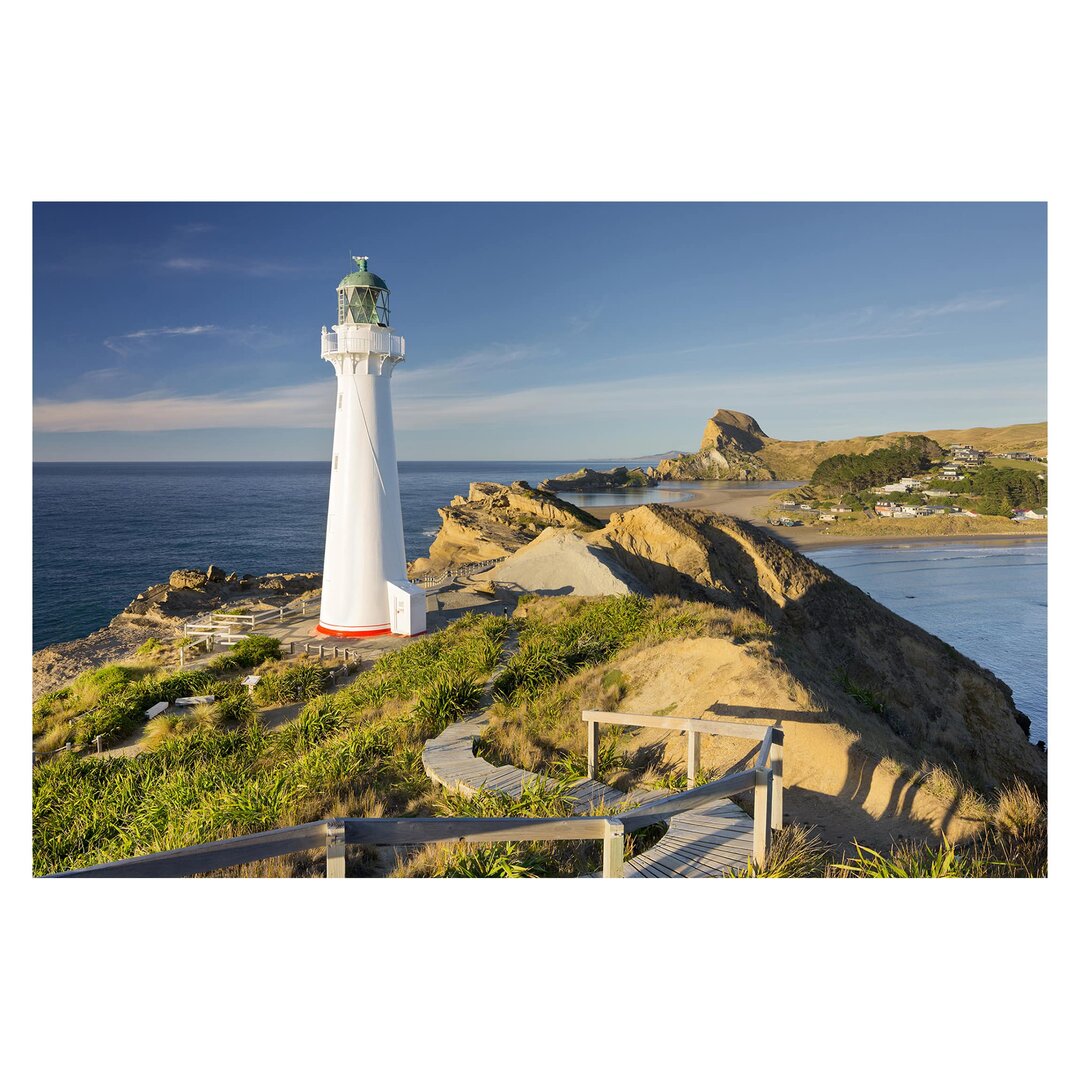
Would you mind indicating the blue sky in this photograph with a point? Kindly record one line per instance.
(168, 331)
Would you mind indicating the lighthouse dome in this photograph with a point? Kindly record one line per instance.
(363, 279)
(363, 297)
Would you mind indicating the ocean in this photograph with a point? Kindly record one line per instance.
(103, 532)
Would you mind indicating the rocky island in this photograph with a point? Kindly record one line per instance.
(619, 478)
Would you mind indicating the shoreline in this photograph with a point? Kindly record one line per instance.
(743, 504)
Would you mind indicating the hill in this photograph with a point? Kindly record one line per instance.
(734, 447)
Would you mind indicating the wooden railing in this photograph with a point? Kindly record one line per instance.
(335, 834)
(765, 778)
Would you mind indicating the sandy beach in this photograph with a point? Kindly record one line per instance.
(751, 503)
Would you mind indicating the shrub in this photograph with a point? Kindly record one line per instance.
(248, 652)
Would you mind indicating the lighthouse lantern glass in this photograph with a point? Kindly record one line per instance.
(360, 304)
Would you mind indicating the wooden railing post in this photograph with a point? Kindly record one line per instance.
(592, 738)
(762, 814)
(776, 764)
(613, 848)
(335, 849)
(693, 757)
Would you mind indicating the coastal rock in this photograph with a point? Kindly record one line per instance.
(729, 449)
(187, 579)
(215, 573)
(160, 611)
(620, 478)
(493, 522)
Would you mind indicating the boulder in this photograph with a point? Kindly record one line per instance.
(215, 573)
(187, 579)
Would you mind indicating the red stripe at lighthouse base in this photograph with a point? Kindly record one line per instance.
(378, 632)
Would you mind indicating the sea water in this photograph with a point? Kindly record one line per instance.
(104, 532)
(985, 598)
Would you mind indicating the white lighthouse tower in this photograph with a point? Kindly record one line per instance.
(365, 591)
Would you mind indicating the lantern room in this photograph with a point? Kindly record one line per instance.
(363, 297)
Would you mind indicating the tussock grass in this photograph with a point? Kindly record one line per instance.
(796, 852)
(285, 683)
(541, 858)
(170, 725)
(1011, 843)
(947, 785)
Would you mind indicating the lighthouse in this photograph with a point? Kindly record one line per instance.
(365, 591)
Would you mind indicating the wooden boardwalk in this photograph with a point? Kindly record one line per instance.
(711, 842)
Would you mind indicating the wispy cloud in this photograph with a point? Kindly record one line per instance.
(960, 305)
(199, 264)
(626, 405)
(305, 406)
(123, 343)
(878, 323)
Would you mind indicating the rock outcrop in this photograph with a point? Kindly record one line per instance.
(493, 522)
(729, 451)
(160, 611)
(619, 478)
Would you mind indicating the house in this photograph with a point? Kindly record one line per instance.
(952, 472)
(885, 509)
(1029, 515)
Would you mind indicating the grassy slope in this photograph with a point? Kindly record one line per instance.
(797, 460)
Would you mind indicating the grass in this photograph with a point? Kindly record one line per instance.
(568, 661)
(864, 695)
(546, 858)
(947, 785)
(110, 700)
(352, 753)
(1012, 843)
